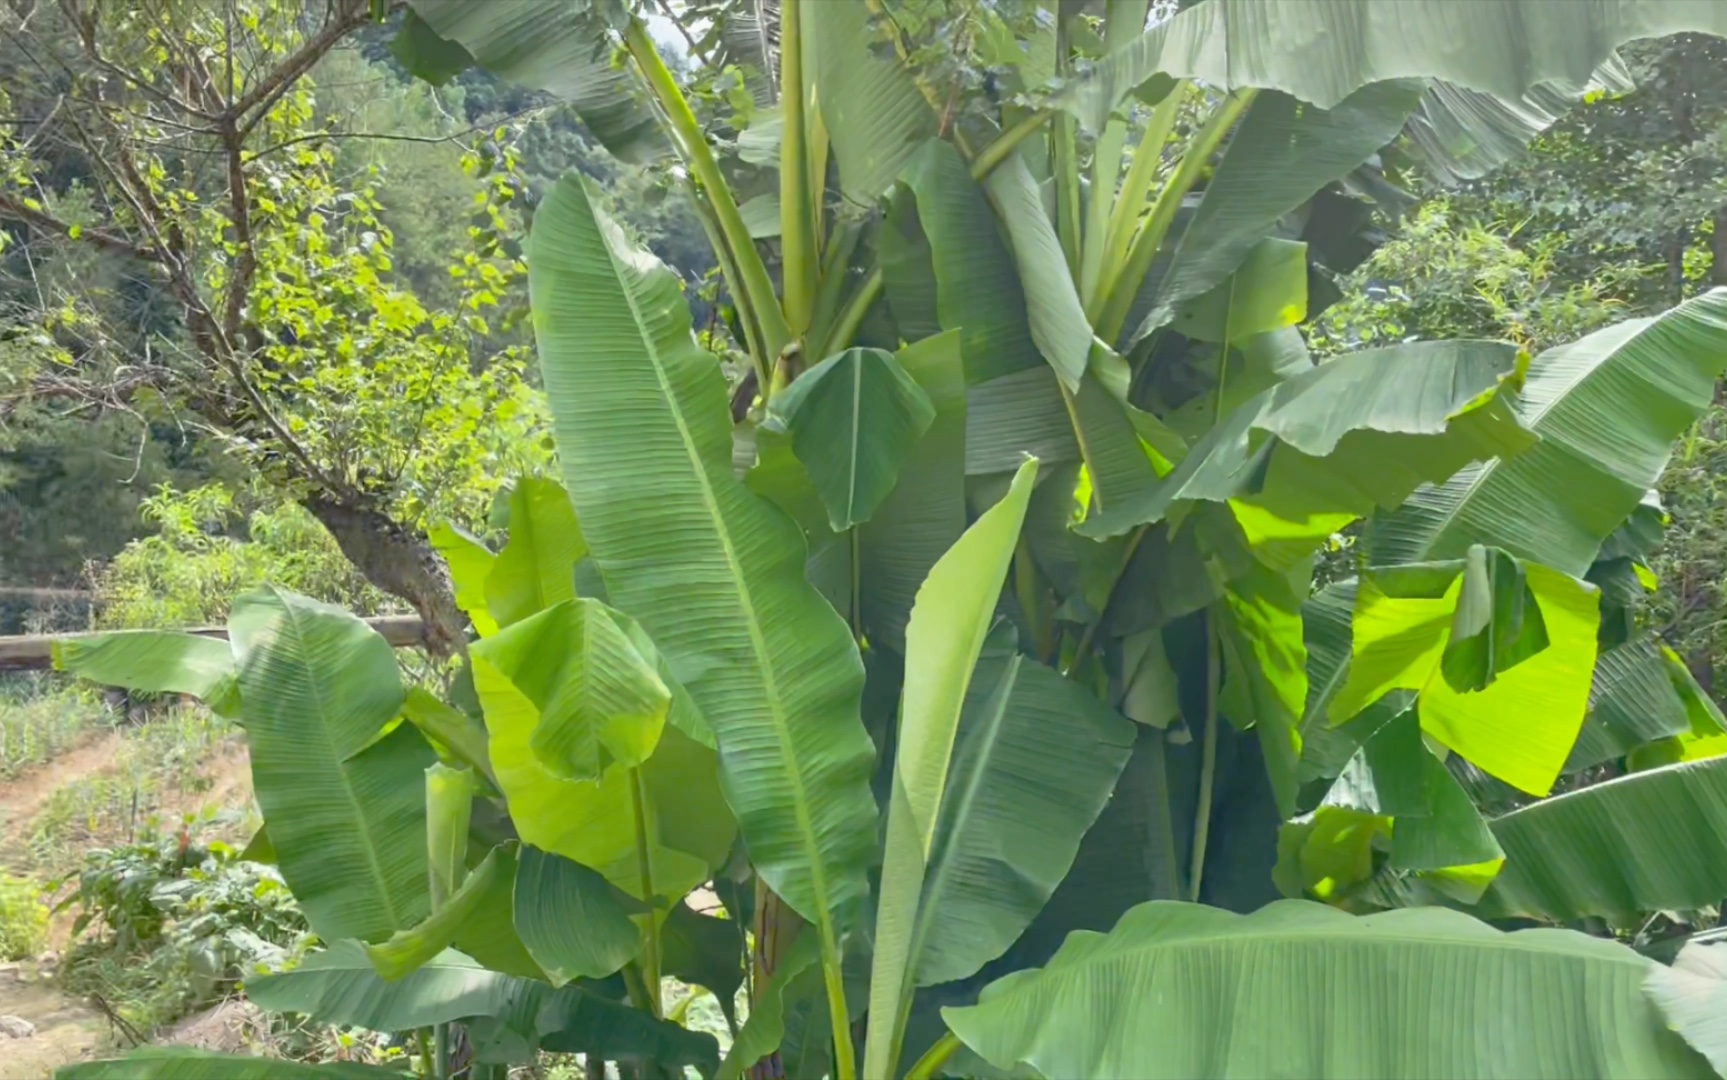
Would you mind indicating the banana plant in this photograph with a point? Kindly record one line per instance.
(968, 649)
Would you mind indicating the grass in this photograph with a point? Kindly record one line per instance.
(41, 717)
(159, 763)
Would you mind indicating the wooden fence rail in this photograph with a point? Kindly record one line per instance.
(35, 652)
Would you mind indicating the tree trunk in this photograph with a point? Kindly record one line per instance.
(398, 561)
(1676, 266)
(1718, 248)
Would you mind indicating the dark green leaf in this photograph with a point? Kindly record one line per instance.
(854, 420)
(573, 921)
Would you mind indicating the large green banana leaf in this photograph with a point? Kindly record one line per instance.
(340, 986)
(1325, 630)
(977, 291)
(1358, 432)
(874, 113)
(537, 568)
(1692, 994)
(591, 822)
(925, 513)
(600, 701)
(1321, 51)
(1300, 989)
(1053, 308)
(1435, 825)
(559, 48)
(175, 1063)
(854, 419)
(1521, 728)
(714, 573)
(470, 563)
(1036, 759)
(1650, 841)
(946, 634)
(1282, 155)
(1259, 636)
(1607, 408)
(509, 1018)
(157, 661)
(1632, 702)
(571, 918)
(346, 808)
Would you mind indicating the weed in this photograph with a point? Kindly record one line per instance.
(23, 918)
(41, 716)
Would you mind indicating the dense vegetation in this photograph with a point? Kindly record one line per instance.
(1100, 560)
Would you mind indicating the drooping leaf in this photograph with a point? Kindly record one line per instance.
(908, 269)
(1301, 989)
(179, 1063)
(1321, 53)
(854, 419)
(706, 951)
(1360, 431)
(1035, 759)
(925, 513)
(1519, 729)
(1497, 624)
(537, 568)
(1284, 152)
(874, 113)
(449, 812)
(1692, 995)
(155, 661)
(571, 919)
(339, 986)
(412, 947)
(977, 291)
(1150, 693)
(346, 808)
(1056, 315)
(462, 735)
(1650, 841)
(714, 574)
(559, 48)
(1607, 409)
(425, 55)
(946, 634)
(1434, 825)
(470, 564)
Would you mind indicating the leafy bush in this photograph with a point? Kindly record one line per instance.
(168, 925)
(23, 918)
(1446, 275)
(207, 550)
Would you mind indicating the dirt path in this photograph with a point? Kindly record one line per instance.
(23, 797)
(67, 1029)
